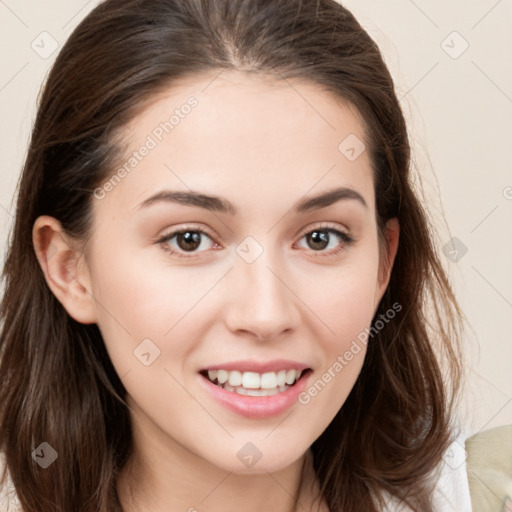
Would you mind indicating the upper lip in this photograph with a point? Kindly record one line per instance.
(259, 366)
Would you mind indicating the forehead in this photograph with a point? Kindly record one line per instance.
(244, 103)
(243, 134)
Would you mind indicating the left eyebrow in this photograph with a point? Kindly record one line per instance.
(327, 198)
(222, 205)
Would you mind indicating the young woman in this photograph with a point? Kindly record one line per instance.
(221, 290)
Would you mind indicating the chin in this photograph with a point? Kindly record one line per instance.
(259, 458)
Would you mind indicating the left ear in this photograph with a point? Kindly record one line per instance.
(64, 269)
(387, 258)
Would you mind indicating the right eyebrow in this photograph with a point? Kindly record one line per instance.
(212, 203)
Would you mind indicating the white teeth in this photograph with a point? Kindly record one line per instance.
(269, 380)
(222, 376)
(262, 392)
(290, 377)
(251, 380)
(253, 383)
(235, 378)
(281, 378)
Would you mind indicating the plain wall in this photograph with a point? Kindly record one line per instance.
(451, 65)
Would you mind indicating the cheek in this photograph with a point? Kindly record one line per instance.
(344, 301)
(349, 315)
(346, 307)
(138, 301)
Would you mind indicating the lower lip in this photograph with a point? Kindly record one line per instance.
(257, 406)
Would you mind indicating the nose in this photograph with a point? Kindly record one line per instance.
(261, 300)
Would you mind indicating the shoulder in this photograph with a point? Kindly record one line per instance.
(489, 469)
(476, 473)
(451, 488)
(8, 498)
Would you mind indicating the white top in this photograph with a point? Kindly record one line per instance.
(8, 499)
(451, 492)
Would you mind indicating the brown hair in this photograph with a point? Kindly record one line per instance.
(58, 384)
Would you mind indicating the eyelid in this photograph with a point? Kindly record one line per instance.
(185, 228)
(325, 226)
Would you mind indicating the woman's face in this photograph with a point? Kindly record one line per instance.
(259, 285)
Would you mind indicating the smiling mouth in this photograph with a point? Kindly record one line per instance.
(253, 383)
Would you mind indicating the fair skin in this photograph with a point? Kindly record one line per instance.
(259, 144)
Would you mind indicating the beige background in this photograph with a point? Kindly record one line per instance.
(458, 102)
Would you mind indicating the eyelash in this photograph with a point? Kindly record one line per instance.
(347, 240)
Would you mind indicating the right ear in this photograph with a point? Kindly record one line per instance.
(64, 268)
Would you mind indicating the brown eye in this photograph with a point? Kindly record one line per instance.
(317, 239)
(185, 240)
(188, 240)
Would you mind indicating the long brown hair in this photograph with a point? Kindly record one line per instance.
(58, 384)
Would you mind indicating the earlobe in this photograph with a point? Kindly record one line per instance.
(64, 269)
(387, 259)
